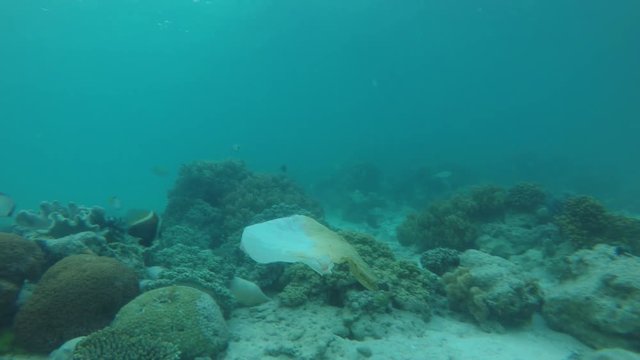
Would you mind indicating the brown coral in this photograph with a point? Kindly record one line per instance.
(76, 296)
(20, 259)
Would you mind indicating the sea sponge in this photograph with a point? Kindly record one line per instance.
(76, 296)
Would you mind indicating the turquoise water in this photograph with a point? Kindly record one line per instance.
(94, 94)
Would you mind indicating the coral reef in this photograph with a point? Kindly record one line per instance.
(513, 237)
(192, 266)
(74, 229)
(20, 260)
(583, 220)
(440, 260)
(456, 222)
(8, 296)
(494, 291)
(54, 221)
(586, 222)
(111, 344)
(180, 315)
(220, 199)
(403, 285)
(525, 197)
(598, 299)
(443, 224)
(611, 354)
(76, 296)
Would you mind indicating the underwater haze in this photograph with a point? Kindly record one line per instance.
(109, 98)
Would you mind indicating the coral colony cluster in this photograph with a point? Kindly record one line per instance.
(75, 281)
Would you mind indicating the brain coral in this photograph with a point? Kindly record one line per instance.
(181, 315)
(76, 296)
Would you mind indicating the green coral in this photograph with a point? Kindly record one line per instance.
(7, 338)
(114, 344)
(525, 197)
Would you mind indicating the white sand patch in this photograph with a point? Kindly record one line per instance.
(320, 332)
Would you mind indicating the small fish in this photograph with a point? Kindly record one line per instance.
(146, 227)
(115, 202)
(443, 174)
(235, 148)
(159, 170)
(7, 205)
(283, 168)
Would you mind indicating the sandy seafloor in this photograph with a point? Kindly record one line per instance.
(312, 332)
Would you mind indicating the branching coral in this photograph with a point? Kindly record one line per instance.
(454, 223)
(525, 197)
(221, 198)
(586, 222)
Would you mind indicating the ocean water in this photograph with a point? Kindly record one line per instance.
(94, 94)
(360, 103)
